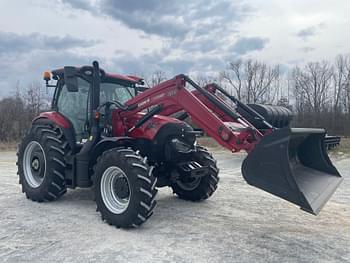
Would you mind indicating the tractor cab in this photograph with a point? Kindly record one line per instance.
(73, 94)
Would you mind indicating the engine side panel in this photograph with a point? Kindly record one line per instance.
(148, 130)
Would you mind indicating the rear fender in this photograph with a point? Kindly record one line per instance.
(55, 118)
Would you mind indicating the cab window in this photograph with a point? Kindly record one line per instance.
(74, 106)
(113, 91)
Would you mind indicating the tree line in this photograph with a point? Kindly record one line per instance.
(17, 111)
(318, 93)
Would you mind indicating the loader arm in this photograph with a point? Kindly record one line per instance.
(289, 163)
(212, 88)
(215, 117)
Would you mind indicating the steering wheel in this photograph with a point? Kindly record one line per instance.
(119, 105)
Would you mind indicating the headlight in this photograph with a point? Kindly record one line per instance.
(181, 146)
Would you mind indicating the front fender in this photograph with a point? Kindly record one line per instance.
(109, 143)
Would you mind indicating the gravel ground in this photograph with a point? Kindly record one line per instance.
(237, 224)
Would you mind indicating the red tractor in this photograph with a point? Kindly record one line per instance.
(110, 132)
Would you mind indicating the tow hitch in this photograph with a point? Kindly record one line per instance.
(192, 170)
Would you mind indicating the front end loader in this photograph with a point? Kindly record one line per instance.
(110, 132)
(291, 163)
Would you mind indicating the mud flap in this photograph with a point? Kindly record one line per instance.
(293, 164)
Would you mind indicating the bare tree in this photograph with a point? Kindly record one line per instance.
(18, 110)
(13, 118)
(340, 79)
(264, 83)
(346, 86)
(312, 85)
(252, 81)
(35, 99)
(203, 80)
(233, 76)
(156, 78)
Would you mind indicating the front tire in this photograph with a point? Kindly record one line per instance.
(203, 187)
(124, 188)
(41, 163)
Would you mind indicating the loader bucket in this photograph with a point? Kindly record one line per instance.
(293, 164)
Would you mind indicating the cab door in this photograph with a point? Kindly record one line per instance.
(75, 107)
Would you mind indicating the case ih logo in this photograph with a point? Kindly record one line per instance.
(143, 103)
(172, 93)
(159, 96)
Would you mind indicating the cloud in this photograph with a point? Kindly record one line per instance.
(152, 17)
(17, 43)
(245, 45)
(307, 32)
(191, 37)
(171, 19)
(23, 57)
(307, 49)
(311, 31)
(28, 67)
(194, 34)
(80, 4)
(157, 60)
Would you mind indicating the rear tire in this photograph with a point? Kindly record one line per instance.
(205, 186)
(41, 163)
(124, 188)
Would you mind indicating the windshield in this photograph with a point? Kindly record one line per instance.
(110, 91)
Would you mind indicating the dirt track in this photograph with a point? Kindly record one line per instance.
(238, 224)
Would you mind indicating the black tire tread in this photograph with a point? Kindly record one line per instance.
(52, 140)
(208, 184)
(144, 187)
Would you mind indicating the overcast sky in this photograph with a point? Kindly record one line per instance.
(183, 36)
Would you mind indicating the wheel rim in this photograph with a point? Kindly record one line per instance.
(115, 190)
(188, 185)
(34, 164)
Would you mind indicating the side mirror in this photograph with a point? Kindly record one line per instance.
(70, 79)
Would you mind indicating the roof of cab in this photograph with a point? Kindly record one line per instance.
(130, 78)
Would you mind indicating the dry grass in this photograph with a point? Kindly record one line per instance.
(343, 150)
(8, 146)
(344, 144)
